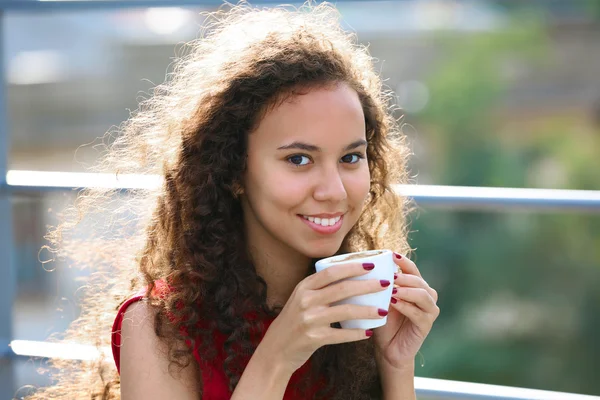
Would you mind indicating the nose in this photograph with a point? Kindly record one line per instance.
(330, 186)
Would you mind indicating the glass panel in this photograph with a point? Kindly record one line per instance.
(73, 75)
(518, 294)
(494, 94)
(44, 302)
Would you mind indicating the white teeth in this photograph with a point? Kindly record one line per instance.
(323, 221)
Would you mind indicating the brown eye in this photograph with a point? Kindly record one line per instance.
(298, 159)
(352, 158)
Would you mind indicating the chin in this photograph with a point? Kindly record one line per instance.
(322, 251)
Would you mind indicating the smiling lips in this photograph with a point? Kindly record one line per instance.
(323, 221)
(325, 224)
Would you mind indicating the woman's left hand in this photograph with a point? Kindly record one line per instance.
(410, 318)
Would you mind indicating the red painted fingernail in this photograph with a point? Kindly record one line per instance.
(368, 266)
(398, 256)
(383, 312)
(384, 283)
(369, 332)
(394, 301)
(395, 276)
(395, 290)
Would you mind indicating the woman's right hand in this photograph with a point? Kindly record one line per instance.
(304, 323)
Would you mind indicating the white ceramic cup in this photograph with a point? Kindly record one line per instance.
(385, 267)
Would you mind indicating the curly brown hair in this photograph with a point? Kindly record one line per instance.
(188, 230)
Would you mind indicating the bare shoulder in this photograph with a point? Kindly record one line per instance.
(144, 361)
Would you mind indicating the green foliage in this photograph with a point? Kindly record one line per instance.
(466, 89)
(593, 7)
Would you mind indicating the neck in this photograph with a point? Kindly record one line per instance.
(282, 271)
(281, 266)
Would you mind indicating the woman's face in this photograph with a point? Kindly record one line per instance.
(307, 175)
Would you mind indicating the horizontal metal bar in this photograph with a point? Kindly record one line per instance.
(498, 198)
(82, 5)
(426, 388)
(65, 351)
(453, 197)
(439, 389)
(19, 180)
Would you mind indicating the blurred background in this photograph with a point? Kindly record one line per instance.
(494, 93)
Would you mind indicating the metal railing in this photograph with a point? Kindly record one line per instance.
(426, 388)
(18, 182)
(455, 197)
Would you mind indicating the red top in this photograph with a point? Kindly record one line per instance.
(213, 376)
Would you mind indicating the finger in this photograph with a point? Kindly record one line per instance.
(411, 281)
(347, 288)
(407, 280)
(418, 296)
(337, 336)
(345, 312)
(336, 273)
(406, 265)
(421, 319)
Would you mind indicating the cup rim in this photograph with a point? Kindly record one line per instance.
(331, 260)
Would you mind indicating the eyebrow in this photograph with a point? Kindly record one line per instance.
(312, 147)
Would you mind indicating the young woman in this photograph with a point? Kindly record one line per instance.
(277, 146)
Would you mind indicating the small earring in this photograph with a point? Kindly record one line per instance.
(237, 190)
